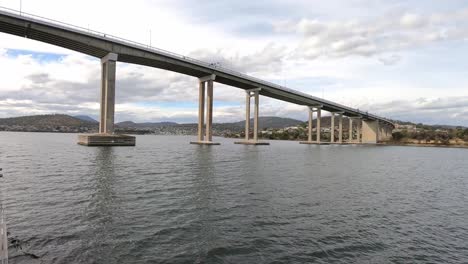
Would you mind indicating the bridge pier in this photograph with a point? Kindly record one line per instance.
(370, 131)
(358, 135)
(332, 128)
(106, 136)
(340, 129)
(385, 133)
(108, 69)
(381, 133)
(207, 138)
(354, 134)
(312, 110)
(255, 93)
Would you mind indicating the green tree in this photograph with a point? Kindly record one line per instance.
(420, 136)
(284, 136)
(430, 135)
(398, 135)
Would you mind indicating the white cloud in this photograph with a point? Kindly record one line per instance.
(447, 110)
(378, 35)
(266, 61)
(390, 60)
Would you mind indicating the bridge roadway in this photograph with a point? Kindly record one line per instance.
(100, 45)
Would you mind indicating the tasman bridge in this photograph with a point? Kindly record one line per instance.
(365, 127)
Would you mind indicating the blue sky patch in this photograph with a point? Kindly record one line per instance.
(39, 56)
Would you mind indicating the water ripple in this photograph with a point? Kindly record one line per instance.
(166, 201)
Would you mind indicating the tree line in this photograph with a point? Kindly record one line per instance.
(437, 136)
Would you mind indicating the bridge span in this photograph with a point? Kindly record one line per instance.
(365, 127)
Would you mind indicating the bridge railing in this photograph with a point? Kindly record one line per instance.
(211, 66)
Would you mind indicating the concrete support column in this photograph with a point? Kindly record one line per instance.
(256, 110)
(332, 128)
(359, 132)
(256, 94)
(201, 110)
(370, 131)
(247, 115)
(381, 134)
(356, 132)
(209, 111)
(311, 119)
(249, 94)
(106, 136)
(350, 136)
(385, 132)
(108, 68)
(340, 129)
(312, 110)
(319, 118)
(205, 118)
(388, 132)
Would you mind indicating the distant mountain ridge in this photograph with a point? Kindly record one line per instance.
(42, 121)
(87, 121)
(86, 118)
(66, 123)
(86, 124)
(264, 121)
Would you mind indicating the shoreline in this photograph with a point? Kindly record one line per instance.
(396, 144)
(422, 145)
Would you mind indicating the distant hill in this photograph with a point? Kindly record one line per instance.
(269, 122)
(86, 123)
(42, 121)
(130, 124)
(436, 126)
(86, 118)
(47, 121)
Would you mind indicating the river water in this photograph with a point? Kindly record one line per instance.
(165, 201)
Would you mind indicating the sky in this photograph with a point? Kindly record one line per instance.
(404, 60)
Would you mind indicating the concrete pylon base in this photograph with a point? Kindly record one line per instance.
(94, 140)
(314, 143)
(255, 143)
(208, 143)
